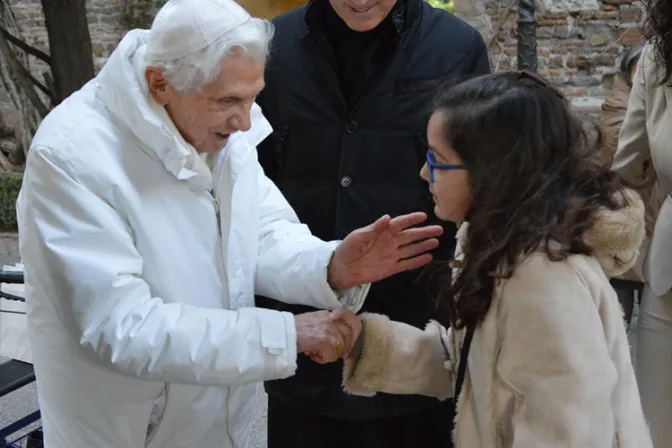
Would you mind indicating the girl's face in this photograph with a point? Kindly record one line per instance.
(449, 181)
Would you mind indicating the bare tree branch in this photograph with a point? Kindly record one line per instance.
(49, 82)
(39, 54)
(25, 123)
(501, 20)
(5, 163)
(19, 71)
(35, 81)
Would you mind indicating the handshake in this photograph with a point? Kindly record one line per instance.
(326, 336)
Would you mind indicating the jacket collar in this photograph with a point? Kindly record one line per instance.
(122, 88)
(404, 14)
(614, 235)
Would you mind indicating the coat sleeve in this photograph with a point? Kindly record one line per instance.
(611, 120)
(292, 263)
(555, 359)
(397, 358)
(480, 64)
(633, 140)
(80, 259)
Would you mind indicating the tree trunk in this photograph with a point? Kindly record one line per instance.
(69, 45)
(527, 36)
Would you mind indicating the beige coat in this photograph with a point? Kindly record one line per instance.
(646, 134)
(613, 113)
(548, 367)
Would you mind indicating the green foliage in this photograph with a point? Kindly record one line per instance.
(10, 184)
(448, 5)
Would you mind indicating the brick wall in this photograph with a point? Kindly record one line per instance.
(579, 41)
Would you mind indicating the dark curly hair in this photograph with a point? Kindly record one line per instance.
(658, 30)
(535, 178)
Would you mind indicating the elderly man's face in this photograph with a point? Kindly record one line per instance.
(207, 118)
(362, 15)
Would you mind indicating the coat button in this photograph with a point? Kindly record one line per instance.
(346, 181)
(351, 127)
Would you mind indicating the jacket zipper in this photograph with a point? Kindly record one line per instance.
(285, 133)
(218, 216)
(159, 424)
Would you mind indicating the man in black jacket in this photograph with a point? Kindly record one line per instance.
(349, 88)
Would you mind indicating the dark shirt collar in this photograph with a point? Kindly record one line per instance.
(320, 18)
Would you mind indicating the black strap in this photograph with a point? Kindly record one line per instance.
(462, 367)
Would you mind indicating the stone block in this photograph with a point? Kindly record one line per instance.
(581, 80)
(629, 36)
(600, 35)
(603, 60)
(546, 32)
(571, 6)
(631, 15)
(556, 62)
(570, 31)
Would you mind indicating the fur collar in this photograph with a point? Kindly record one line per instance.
(615, 235)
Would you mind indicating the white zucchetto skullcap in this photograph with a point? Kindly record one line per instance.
(183, 27)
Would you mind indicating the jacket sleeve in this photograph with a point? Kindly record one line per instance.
(633, 141)
(611, 120)
(555, 359)
(80, 259)
(480, 64)
(397, 358)
(292, 263)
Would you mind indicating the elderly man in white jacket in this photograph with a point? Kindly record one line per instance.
(142, 258)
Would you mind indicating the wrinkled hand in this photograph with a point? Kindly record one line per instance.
(384, 248)
(344, 317)
(322, 338)
(327, 336)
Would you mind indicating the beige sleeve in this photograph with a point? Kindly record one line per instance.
(397, 358)
(633, 141)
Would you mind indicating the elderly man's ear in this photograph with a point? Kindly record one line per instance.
(159, 87)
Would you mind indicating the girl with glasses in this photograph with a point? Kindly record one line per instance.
(529, 336)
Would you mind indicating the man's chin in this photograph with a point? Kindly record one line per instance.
(222, 143)
(214, 145)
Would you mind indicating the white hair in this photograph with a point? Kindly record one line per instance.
(190, 73)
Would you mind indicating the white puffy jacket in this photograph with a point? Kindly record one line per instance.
(132, 293)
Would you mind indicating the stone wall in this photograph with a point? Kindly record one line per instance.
(579, 41)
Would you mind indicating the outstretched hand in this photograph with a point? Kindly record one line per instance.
(382, 249)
